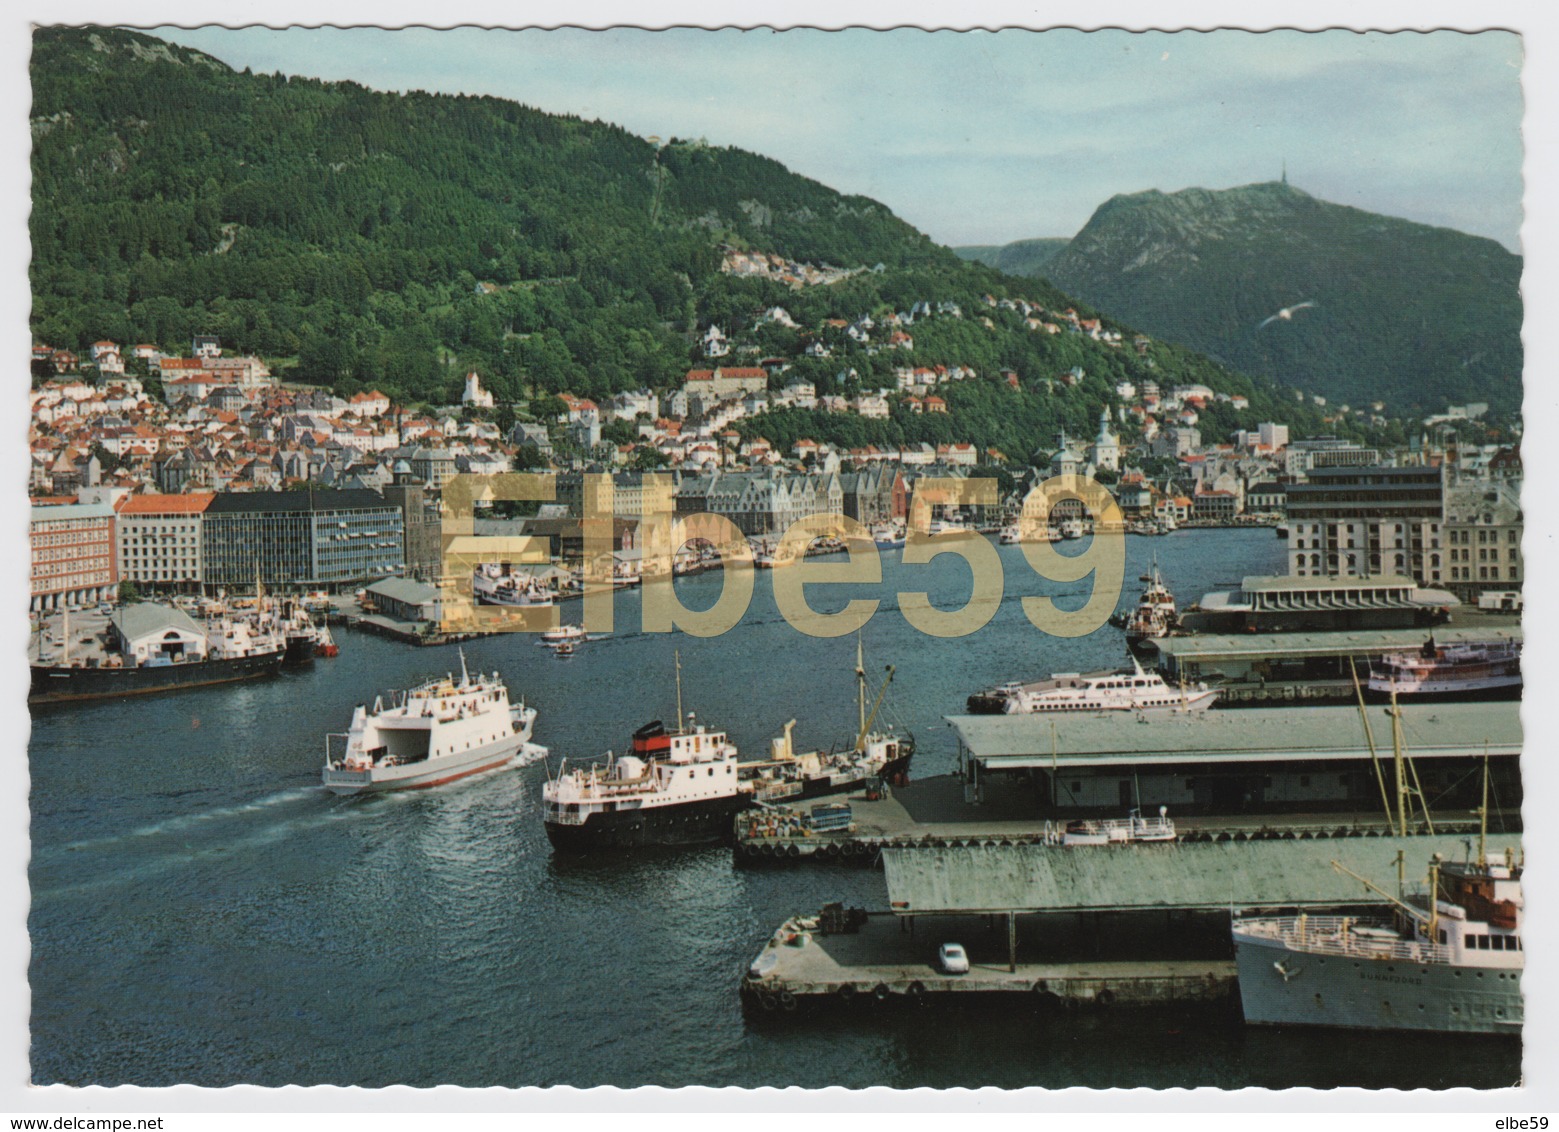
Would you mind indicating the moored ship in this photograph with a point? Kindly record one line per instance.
(1468, 670)
(1448, 961)
(434, 733)
(1132, 689)
(159, 649)
(787, 776)
(1155, 616)
(491, 585)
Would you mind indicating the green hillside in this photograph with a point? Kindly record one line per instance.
(1021, 257)
(1404, 313)
(398, 240)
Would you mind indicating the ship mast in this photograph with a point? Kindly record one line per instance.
(677, 654)
(1483, 816)
(860, 679)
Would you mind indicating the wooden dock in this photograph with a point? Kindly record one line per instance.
(881, 964)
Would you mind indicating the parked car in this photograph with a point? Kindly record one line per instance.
(952, 958)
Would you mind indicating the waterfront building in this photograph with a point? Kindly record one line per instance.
(1243, 664)
(1483, 528)
(419, 520)
(158, 538)
(301, 538)
(147, 631)
(72, 547)
(631, 494)
(1363, 521)
(1279, 604)
(762, 502)
(404, 599)
(878, 493)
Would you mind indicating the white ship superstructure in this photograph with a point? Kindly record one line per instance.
(1134, 690)
(1450, 960)
(434, 733)
(1468, 668)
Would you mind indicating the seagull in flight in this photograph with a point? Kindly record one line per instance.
(1285, 314)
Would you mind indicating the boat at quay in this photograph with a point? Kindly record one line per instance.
(1133, 689)
(1449, 961)
(787, 776)
(1473, 669)
(159, 649)
(436, 732)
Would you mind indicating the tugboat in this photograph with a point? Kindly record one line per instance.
(434, 733)
(491, 585)
(675, 787)
(889, 536)
(563, 634)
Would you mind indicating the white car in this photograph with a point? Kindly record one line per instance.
(952, 958)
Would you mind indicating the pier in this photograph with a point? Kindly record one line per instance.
(932, 813)
(873, 961)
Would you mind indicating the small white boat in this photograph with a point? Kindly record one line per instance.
(1112, 831)
(563, 634)
(434, 733)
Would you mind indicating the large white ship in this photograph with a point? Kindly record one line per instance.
(1129, 690)
(1449, 961)
(434, 733)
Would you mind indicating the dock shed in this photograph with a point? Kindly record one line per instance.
(1021, 879)
(150, 633)
(405, 600)
(1237, 761)
(1272, 657)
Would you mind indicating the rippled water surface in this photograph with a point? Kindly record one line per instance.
(203, 912)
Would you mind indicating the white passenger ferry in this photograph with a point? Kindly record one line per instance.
(1129, 690)
(434, 733)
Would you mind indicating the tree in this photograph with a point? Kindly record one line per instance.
(129, 593)
(647, 458)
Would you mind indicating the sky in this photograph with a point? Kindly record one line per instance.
(985, 137)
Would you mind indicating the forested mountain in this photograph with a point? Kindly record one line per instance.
(364, 238)
(1021, 257)
(1405, 313)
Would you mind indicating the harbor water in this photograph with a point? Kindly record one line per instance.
(204, 912)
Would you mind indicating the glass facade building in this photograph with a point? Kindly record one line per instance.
(319, 539)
